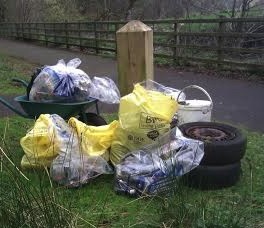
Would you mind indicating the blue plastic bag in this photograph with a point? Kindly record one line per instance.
(61, 82)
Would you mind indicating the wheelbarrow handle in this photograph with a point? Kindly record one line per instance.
(7, 104)
(24, 83)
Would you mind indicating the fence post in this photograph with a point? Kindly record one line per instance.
(36, 32)
(96, 38)
(16, 27)
(176, 42)
(45, 34)
(16, 31)
(107, 28)
(66, 34)
(54, 34)
(29, 31)
(9, 30)
(220, 43)
(134, 55)
(116, 28)
(22, 24)
(80, 36)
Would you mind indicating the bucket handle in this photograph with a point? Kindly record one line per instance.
(194, 87)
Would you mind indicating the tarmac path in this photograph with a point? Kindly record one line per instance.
(235, 101)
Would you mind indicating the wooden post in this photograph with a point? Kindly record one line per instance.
(176, 42)
(134, 55)
(66, 34)
(96, 38)
(116, 28)
(220, 43)
(54, 34)
(80, 36)
(36, 31)
(28, 37)
(22, 30)
(16, 27)
(45, 34)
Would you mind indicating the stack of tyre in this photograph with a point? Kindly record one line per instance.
(224, 147)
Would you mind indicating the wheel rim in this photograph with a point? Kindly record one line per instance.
(207, 133)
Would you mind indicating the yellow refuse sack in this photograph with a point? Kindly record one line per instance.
(144, 115)
(44, 141)
(52, 136)
(95, 141)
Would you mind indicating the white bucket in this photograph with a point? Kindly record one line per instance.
(194, 110)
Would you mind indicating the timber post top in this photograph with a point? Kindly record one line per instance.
(134, 26)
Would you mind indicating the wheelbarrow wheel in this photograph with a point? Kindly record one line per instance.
(93, 119)
(223, 144)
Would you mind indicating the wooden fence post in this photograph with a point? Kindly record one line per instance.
(80, 36)
(45, 34)
(220, 43)
(66, 34)
(134, 55)
(36, 31)
(54, 34)
(116, 28)
(176, 42)
(22, 30)
(96, 38)
(16, 28)
(29, 31)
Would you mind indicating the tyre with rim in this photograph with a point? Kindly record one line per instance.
(223, 144)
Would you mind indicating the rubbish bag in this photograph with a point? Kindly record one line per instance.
(61, 83)
(73, 168)
(144, 115)
(154, 168)
(94, 141)
(44, 141)
(155, 86)
(105, 90)
(33, 77)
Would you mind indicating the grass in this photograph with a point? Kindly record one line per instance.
(97, 203)
(11, 67)
(40, 203)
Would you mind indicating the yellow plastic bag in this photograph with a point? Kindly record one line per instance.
(95, 141)
(44, 141)
(144, 115)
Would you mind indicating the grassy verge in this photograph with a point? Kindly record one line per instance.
(97, 203)
(11, 67)
(41, 203)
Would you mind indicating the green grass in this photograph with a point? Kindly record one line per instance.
(97, 203)
(36, 203)
(11, 67)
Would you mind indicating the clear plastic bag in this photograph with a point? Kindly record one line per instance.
(61, 82)
(155, 86)
(105, 90)
(73, 167)
(152, 168)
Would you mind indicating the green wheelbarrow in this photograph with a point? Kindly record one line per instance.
(33, 109)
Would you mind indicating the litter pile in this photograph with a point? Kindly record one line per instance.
(65, 83)
(75, 152)
(144, 148)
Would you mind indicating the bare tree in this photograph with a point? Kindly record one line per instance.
(24, 10)
(130, 6)
(2, 10)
